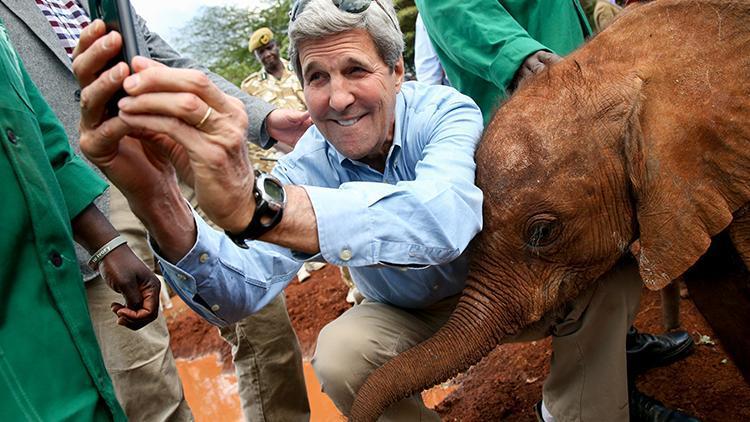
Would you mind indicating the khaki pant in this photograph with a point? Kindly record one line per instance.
(588, 376)
(268, 362)
(140, 363)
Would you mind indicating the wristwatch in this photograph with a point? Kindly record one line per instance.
(270, 200)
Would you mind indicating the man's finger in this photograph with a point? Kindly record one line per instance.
(140, 63)
(165, 79)
(89, 64)
(102, 144)
(549, 58)
(132, 295)
(175, 128)
(89, 34)
(95, 96)
(189, 108)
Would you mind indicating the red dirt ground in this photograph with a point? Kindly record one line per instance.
(506, 384)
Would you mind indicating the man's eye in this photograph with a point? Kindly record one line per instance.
(313, 77)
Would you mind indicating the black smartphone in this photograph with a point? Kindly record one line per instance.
(117, 16)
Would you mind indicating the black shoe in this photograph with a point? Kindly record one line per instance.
(647, 409)
(646, 351)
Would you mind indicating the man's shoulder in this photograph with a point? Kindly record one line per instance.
(427, 101)
(252, 80)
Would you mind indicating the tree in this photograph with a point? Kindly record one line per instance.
(217, 37)
(406, 11)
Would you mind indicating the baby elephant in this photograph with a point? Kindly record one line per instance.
(639, 142)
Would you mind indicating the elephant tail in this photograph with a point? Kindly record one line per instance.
(469, 334)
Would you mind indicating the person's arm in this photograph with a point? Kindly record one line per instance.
(426, 62)
(480, 35)
(222, 282)
(121, 269)
(266, 123)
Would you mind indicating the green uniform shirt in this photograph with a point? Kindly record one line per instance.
(482, 43)
(50, 364)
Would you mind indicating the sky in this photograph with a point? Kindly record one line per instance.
(165, 17)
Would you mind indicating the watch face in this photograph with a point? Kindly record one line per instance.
(273, 190)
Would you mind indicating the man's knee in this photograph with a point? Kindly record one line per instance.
(340, 349)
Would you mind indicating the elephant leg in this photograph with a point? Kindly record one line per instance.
(739, 232)
(670, 305)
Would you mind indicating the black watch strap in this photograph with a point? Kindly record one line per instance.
(264, 219)
(255, 229)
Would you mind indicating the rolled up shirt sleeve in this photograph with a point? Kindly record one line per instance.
(224, 283)
(425, 221)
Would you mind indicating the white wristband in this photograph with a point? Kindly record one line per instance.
(104, 250)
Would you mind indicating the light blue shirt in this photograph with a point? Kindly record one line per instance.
(403, 232)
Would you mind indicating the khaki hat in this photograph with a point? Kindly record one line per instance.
(260, 38)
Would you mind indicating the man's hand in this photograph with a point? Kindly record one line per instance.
(287, 125)
(209, 127)
(121, 269)
(139, 165)
(125, 273)
(533, 64)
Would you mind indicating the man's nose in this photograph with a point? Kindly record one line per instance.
(341, 96)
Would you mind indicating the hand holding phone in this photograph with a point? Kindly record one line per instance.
(117, 16)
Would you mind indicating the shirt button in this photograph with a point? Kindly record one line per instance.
(77, 95)
(11, 136)
(215, 308)
(203, 258)
(55, 258)
(435, 287)
(345, 254)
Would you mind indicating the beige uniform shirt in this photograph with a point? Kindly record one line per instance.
(283, 93)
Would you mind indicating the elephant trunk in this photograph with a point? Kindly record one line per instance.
(470, 333)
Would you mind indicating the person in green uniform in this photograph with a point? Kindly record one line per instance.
(487, 46)
(50, 364)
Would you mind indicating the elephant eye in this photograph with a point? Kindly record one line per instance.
(542, 230)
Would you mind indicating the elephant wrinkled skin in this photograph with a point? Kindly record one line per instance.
(639, 142)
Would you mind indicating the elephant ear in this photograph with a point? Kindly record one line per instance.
(688, 177)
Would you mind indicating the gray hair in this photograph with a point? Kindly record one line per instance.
(321, 18)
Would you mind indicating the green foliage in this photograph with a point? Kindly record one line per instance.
(217, 37)
(406, 11)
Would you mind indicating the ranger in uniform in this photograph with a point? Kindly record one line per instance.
(276, 83)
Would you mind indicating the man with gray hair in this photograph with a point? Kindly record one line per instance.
(383, 183)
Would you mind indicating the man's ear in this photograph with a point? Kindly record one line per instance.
(398, 73)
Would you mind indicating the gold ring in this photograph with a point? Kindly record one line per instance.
(205, 117)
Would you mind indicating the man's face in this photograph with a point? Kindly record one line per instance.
(268, 55)
(351, 93)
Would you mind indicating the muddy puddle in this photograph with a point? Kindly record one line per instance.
(212, 393)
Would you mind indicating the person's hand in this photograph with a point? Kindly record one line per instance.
(287, 125)
(533, 64)
(209, 126)
(143, 165)
(129, 276)
(103, 140)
